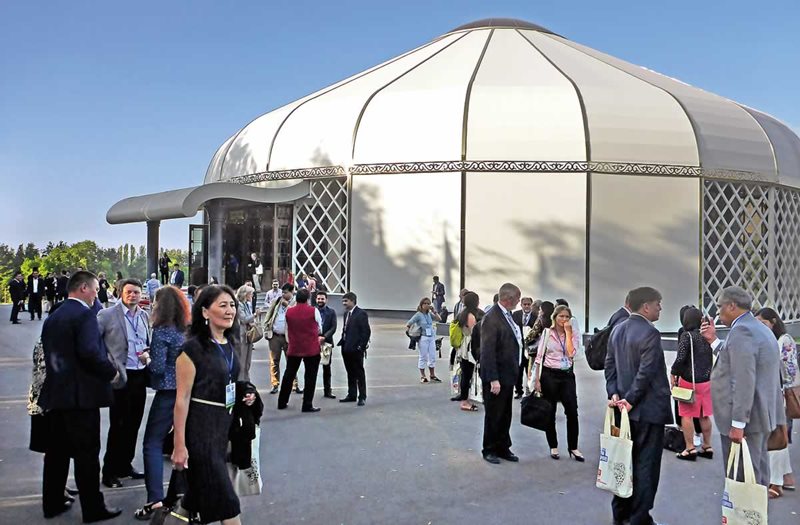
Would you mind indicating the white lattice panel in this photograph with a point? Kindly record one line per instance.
(751, 238)
(320, 233)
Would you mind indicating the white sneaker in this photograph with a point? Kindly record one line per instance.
(698, 440)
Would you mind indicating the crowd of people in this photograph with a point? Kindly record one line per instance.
(195, 348)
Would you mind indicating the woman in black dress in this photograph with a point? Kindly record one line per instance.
(206, 376)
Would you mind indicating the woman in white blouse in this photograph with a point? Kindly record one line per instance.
(555, 378)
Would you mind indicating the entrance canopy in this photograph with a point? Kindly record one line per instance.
(186, 202)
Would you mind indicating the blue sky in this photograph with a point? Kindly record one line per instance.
(99, 102)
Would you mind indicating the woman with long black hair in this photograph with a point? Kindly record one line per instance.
(470, 350)
(206, 380)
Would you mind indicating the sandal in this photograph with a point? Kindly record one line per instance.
(707, 453)
(147, 511)
(690, 454)
(471, 408)
(775, 492)
(435, 379)
(423, 379)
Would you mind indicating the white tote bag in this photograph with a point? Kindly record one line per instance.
(455, 379)
(743, 502)
(248, 482)
(615, 473)
(476, 389)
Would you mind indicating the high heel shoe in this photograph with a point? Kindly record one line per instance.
(706, 452)
(689, 454)
(577, 456)
(554, 455)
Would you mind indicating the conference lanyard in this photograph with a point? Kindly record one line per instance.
(565, 364)
(230, 388)
(228, 362)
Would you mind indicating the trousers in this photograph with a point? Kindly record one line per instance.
(35, 305)
(159, 422)
(558, 386)
(73, 434)
(757, 445)
(467, 370)
(311, 365)
(356, 376)
(427, 352)
(124, 420)
(497, 419)
(648, 446)
(277, 347)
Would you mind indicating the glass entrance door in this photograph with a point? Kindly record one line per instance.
(198, 253)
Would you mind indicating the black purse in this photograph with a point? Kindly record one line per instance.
(172, 513)
(536, 410)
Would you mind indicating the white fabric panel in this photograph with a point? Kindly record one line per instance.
(320, 132)
(641, 238)
(785, 144)
(405, 229)
(249, 152)
(521, 107)
(212, 173)
(629, 120)
(728, 138)
(419, 117)
(530, 230)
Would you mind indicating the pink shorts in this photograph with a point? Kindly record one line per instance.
(702, 400)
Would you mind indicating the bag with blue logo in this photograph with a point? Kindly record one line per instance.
(615, 473)
(743, 502)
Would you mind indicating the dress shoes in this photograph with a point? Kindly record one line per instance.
(491, 458)
(112, 482)
(134, 474)
(361, 402)
(105, 514)
(282, 407)
(518, 395)
(298, 390)
(509, 456)
(71, 491)
(52, 513)
(68, 500)
(347, 399)
(274, 390)
(311, 409)
(329, 395)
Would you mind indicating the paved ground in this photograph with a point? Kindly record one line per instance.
(408, 457)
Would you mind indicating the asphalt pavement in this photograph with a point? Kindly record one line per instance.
(410, 456)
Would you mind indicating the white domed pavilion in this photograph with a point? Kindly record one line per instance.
(502, 151)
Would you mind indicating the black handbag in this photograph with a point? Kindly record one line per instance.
(673, 439)
(537, 412)
(172, 513)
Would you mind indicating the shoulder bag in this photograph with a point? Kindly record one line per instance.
(536, 410)
(679, 393)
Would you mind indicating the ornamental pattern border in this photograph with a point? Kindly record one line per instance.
(502, 166)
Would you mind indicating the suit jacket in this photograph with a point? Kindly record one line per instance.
(517, 316)
(745, 381)
(178, 278)
(79, 372)
(635, 370)
(356, 332)
(114, 331)
(39, 291)
(618, 316)
(328, 323)
(50, 286)
(61, 285)
(500, 349)
(17, 290)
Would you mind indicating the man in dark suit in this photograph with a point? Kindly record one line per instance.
(328, 329)
(523, 318)
(501, 343)
(76, 385)
(61, 286)
(354, 343)
(35, 291)
(163, 266)
(636, 381)
(621, 314)
(176, 279)
(17, 290)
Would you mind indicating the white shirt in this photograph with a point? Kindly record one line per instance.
(35, 282)
(279, 325)
(80, 301)
(510, 321)
(272, 295)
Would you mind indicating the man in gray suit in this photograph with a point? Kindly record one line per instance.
(745, 381)
(125, 330)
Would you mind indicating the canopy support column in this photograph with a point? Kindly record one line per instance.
(152, 247)
(216, 220)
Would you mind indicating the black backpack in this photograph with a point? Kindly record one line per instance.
(597, 348)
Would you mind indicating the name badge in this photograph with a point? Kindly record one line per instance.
(139, 346)
(428, 332)
(230, 395)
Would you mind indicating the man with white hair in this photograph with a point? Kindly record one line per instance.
(152, 286)
(501, 343)
(745, 381)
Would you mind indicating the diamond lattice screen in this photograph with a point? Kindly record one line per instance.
(320, 234)
(751, 239)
